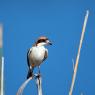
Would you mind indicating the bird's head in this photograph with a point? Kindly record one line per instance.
(43, 41)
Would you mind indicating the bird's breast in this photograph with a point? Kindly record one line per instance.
(38, 54)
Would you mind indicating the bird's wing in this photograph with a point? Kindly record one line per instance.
(46, 54)
(30, 71)
(28, 54)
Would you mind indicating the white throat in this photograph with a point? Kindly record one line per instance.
(41, 44)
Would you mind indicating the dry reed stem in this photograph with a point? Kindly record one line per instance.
(20, 90)
(78, 55)
(39, 85)
(38, 82)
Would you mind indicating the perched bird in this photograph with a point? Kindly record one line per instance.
(37, 54)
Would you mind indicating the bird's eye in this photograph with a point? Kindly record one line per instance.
(38, 41)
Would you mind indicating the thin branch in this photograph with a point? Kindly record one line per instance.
(78, 55)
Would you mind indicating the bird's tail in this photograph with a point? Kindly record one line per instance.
(30, 73)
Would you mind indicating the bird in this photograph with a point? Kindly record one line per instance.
(37, 54)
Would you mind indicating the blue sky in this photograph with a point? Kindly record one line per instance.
(61, 21)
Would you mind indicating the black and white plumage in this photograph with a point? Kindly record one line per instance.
(37, 54)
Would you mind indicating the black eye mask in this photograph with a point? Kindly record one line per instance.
(42, 40)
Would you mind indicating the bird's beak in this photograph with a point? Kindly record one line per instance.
(50, 43)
